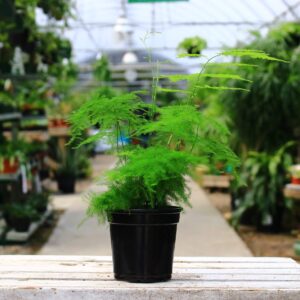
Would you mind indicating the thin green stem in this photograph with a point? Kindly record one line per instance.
(169, 140)
(192, 95)
(196, 138)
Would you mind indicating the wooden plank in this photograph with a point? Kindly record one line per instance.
(59, 131)
(176, 283)
(147, 293)
(90, 277)
(292, 191)
(181, 274)
(108, 259)
(216, 181)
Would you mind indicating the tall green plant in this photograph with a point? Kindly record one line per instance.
(267, 116)
(265, 175)
(180, 137)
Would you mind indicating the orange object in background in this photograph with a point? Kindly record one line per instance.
(9, 166)
(295, 180)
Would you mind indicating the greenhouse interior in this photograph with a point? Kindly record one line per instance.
(118, 118)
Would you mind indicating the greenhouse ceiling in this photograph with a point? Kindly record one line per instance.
(220, 22)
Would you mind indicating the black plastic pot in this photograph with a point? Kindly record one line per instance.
(143, 242)
(20, 224)
(275, 226)
(66, 184)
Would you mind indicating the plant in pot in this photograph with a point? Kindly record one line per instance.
(192, 45)
(265, 175)
(147, 188)
(39, 201)
(19, 215)
(11, 156)
(67, 171)
(295, 174)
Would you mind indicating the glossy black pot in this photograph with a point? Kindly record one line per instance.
(143, 242)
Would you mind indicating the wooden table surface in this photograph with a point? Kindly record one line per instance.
(90, 277)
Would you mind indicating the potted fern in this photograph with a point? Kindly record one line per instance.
(147, 188)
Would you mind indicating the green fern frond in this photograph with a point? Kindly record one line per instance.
(150, 178)
(172, 91)
(222, 88)
(193, 77)
(108, 114)
(230, 64)
(255, 54)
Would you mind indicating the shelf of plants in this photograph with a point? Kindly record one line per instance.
(10, 176)
(10, 116)
(11, 235)
(23, 203)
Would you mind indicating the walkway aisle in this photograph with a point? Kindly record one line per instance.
(202, 231)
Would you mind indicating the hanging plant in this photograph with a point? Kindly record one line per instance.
(57, 9)
(192, 45)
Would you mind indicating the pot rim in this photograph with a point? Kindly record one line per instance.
(163, 210)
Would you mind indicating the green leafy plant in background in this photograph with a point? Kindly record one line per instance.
(264, 175)
(152, 175)
(58, 9)
(19, 210)
(192, 45)
(267, 116)
(39, 201)
(101, 69)
(14, 151)
(68, 163)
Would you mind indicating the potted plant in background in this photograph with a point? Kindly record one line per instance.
(192, 45)
(295, 174)
(147, 188)
(11, 156)
(39, 201)
(67, 170)
(19, 215)
(265, 175)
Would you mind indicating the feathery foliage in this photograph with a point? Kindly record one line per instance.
(109, 114)
(150, 178)
(265, 175)
(176, 139)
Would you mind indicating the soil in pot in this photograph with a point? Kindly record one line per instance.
(143, 242)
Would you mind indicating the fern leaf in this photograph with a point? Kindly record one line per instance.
(256, 54)
(192, 77)
(222, 88)
(173, 91)
(230, 64)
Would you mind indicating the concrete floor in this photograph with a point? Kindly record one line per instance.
(202, 231)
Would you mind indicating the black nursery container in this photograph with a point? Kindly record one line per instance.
(66, 184)
(19, 224)
(143, 242)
